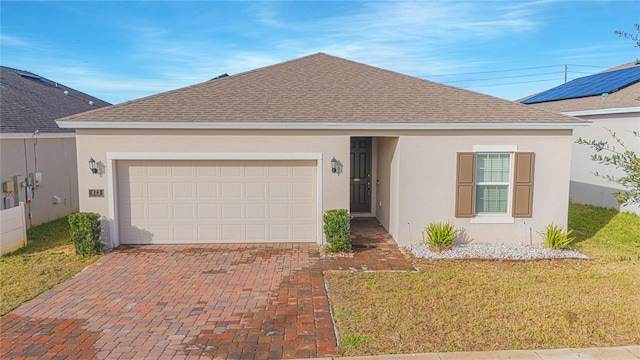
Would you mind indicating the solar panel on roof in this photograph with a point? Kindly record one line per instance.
(597, 84)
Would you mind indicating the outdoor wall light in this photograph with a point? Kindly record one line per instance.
(92, 166)
(334, 165)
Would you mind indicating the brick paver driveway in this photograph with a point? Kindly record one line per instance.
(227, 301)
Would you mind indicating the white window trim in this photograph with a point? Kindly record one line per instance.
(112, 180)
(497, 218)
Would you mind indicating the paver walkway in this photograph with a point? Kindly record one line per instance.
(235, 301)
(228, 301)
(373, 250)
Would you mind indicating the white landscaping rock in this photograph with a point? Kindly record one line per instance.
(496, 252)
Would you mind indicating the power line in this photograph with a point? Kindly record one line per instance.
(493, 71)
(591, 66)
(508, 70)
(511, 83)
(502, 77)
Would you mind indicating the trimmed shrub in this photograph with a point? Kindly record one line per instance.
(85, 230)
(440, 235)
(556, 237)
(337, 230)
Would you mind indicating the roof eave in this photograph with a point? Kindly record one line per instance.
(608, 111)
(320, 125)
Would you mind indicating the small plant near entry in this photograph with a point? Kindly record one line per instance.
(85, 230)
(556, 237)
(440, 235)
(337, 230)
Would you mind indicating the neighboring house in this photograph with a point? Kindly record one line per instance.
(31, 142)
(610, 100)
(259, 156)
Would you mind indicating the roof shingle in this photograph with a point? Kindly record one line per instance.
(29, 102)
(320, 88)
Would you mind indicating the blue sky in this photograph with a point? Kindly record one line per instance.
(120, 51)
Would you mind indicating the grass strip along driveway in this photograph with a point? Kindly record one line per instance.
(492, 305)
(48, 260)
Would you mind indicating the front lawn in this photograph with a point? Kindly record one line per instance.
(48, 260)
(489, 305)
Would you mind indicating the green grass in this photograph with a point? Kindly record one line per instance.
(605, 233)
(484, 305)
(48, 260)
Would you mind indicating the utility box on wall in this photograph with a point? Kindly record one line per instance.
(7, 186)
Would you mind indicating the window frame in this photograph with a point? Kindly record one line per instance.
(495, 218)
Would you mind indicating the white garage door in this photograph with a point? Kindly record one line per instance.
(167, 202)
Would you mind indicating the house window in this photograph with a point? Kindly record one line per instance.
(496, 182)
(492, 183)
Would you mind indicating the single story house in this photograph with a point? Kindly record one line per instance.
(38, 164)
(259, 156)
(610, 100)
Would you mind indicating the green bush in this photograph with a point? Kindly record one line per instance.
(440, 235)
(556, 237)
(337, 230)
(85, 230)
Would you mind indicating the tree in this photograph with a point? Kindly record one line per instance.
(630, 36)
(623, 159)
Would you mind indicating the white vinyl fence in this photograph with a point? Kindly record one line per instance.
(13, 229)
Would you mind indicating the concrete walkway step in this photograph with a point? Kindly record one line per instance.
(607, 353)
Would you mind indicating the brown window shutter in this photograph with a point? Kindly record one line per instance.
(465, 185)
(523, 185)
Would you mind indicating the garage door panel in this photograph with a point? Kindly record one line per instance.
(279, 211)
(231, 212)
(208, 233)
(279, 190)
(255, 212)
(207, 190)
(183, 212)
(302, 171)
(280, 232)
(158, 169)
(158, 212)
(302, 211)
(231, 190)
(232, 232)
(256, 232)
(255, 170)
(182, 190)
(158, 191)
(302, 232)
(184, 233)
(256, 190)
(142, 236)
(182, 169)
(134, 190)
(212, 170)
(302, 191)
(208, 212)
(159, 233)
(216, 201)
(231, 171)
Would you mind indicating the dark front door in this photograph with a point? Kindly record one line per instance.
(361, 174)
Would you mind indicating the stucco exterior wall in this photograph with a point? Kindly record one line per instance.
(97, 143)
(56, 162)
(588, 188)
(414, 171)
(427, 183)
(386, 183)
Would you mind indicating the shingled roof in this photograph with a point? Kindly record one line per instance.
(30, 102)
(627, 97)
(318, 89)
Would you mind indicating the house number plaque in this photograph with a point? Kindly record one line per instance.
(96, 192)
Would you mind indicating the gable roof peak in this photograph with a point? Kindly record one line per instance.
(318, 88)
